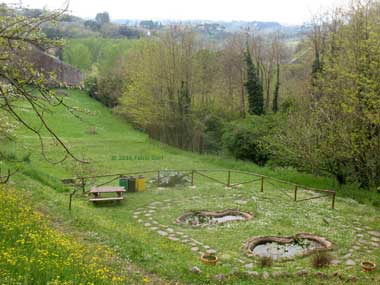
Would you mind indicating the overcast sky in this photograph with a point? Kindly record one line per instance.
(283, 11)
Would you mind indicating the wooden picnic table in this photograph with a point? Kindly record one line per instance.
(98, 191)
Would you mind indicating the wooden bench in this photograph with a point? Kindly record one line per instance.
(98, 191)
(107, 199)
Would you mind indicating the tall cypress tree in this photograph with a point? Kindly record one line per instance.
(276, 90)
(254, 87)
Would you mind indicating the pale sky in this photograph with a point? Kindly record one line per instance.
(283, 11)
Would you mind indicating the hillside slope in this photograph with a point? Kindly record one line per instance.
(108, 141)
(113, 146)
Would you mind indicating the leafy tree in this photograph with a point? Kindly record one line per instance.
(350, 99)
(102, 18)
(232, 75)
(159, 98)
(79, 55)
(67, 30)
(129, 32)
(91, 24)
(254, 87)
(338, 131)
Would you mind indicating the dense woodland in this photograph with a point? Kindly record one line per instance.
(258, 96)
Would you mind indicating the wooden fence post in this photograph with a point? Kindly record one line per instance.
(262, 183)
(83, 185)
(192, 177)
(229, 179)
(158, 178)
(333, 201)
(71, 198)
(295, 193)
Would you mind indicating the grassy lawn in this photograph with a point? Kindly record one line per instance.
(138, 229)
(34, 252)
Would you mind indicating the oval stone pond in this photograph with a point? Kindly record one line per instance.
(286, 248)
(208, 218)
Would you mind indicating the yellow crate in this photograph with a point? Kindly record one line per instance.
(140, 184)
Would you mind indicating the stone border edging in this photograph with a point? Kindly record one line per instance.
(247, 216)
(255, 241)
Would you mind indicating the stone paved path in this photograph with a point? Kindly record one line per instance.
(366, 239)
(145, 216)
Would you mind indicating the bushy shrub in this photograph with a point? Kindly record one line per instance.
(213, 124)
(321, 259)
(109, 89)
(266, 261)
(106, 84)
(90, 85)
(248, 139)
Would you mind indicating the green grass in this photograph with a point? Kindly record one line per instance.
(32, 252)
(116, 226)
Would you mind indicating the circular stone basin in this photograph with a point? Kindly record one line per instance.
(286, 248)
(207, 218)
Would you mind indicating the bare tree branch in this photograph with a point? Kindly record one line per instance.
(19, 74)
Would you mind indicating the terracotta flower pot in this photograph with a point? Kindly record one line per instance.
(210, 259)
(368, 266)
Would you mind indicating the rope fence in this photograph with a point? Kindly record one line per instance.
(81, 182)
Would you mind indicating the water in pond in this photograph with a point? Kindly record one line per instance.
(227, 218)
(212, 220)
(284, 251)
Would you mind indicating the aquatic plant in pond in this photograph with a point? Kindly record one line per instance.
(289, 250)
